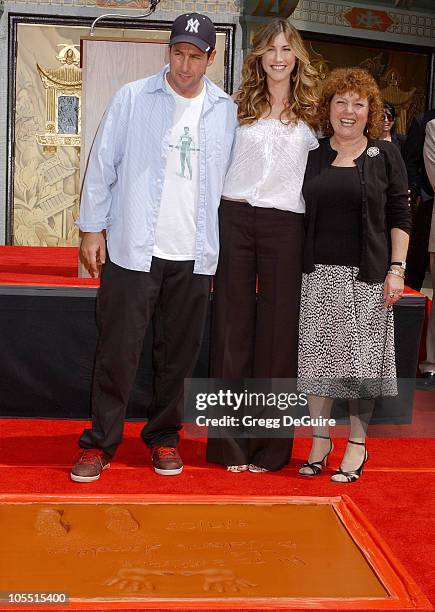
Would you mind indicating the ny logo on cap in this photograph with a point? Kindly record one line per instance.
(192, 26)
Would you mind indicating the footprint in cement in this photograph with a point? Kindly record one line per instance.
(49, 522)
(120, 520)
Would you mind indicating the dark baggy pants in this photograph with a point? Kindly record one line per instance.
(176, 301)
(417, 259)
(256, 337)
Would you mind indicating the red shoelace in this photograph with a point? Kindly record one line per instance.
(165, 452)
(90, 456)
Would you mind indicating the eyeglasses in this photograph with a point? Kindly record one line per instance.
(388, 116)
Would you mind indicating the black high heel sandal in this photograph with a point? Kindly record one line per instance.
(316, 466)
(351, 475)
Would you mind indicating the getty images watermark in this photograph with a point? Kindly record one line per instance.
(278, 407)
(246, 408)
(228, 399)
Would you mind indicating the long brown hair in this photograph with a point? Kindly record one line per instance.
(253, 96)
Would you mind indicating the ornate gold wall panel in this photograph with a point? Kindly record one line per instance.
(46, 177)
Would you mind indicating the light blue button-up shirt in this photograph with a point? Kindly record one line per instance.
(123, 184)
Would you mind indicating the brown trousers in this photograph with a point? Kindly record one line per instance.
(256, 336)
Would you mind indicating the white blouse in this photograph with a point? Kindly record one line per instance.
(268, 164)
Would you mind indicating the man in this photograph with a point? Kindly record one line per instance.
(421, 200)
(427, 368)
(162, 240)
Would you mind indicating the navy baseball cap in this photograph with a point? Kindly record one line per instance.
(195, 29)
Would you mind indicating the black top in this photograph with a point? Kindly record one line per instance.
(413, 154)
(399, 141)
(384, 204)
(337, 237)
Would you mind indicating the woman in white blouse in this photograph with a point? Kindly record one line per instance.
(262, 232)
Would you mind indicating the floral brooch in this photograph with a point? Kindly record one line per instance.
(372, 151)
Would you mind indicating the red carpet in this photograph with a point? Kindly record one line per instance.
(395, 493)
(48, 266)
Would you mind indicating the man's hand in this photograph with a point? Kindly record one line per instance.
(93, 250)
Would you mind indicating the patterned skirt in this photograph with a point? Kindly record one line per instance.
(346, 337)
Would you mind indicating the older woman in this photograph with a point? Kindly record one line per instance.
(358, 222)
(261, 222)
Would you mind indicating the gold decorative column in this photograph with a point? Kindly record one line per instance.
(63, 96)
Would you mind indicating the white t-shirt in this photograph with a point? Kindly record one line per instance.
(268, 164)
(176, 225)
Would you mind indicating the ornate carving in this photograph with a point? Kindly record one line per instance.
(63, 88)
(368, 19)
(401, 99)
(44, 212)
(319, 62)
(270, 8)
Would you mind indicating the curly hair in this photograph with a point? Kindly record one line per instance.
(253, 95)
(355, 80)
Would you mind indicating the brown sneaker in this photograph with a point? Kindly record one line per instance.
(89, 465)
(166, 460)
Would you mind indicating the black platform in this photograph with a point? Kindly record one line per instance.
(48, 339)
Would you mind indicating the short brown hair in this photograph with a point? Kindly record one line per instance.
(358, 80)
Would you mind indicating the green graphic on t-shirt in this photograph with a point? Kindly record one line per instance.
(186, 146)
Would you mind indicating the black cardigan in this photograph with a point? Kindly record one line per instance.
(384, 204)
